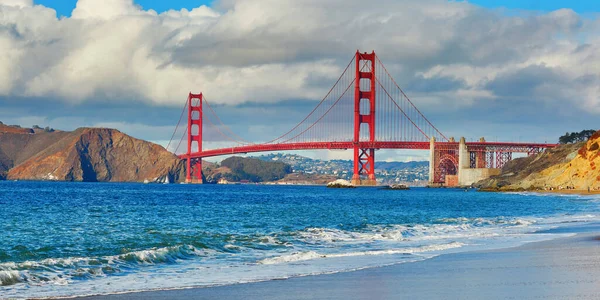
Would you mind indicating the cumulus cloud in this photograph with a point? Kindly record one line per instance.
(105, 9)
(271, 50)
(17, 3)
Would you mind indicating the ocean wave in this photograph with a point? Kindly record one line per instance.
(310, 255)
(161, 255)
(500, 221)
(446, 228)
(62, 270)
(11, 277)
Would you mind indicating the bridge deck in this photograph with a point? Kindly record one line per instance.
(472, 146)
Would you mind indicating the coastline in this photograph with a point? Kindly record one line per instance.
(570, 192)
(563, 268)
(556, 192)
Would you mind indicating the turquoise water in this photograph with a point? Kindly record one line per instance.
(65, 239)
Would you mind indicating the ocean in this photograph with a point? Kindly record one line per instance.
(73, 239)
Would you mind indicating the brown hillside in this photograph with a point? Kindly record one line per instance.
(13, 129)
(571, 165)
(96, 154)
(15, 148)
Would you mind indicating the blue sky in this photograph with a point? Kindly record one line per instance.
(580, 6)
(64, 7)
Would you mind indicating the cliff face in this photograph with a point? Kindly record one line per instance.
(89, 154)
(573, 165)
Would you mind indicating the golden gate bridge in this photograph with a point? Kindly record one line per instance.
(365, 110)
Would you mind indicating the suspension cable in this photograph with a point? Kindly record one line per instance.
(326, 112)
(177, 127)
(318, 105)
(241, 141)
(408, 99)
(181, 140)
(404, 113)
(317, 121)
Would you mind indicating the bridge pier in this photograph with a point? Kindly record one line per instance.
(194, 171)
(464, 160)
(364, 162)
(469, 171)
(432, 161)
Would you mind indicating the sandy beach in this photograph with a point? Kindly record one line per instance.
(571, 192)
(564, 268)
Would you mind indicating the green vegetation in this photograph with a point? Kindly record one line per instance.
(255, 170)
(576, 137)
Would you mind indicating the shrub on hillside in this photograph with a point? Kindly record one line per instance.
(576, 137)
(256, 170)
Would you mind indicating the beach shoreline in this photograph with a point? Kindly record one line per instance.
(563, 268)
(570, 192)
(549, 192)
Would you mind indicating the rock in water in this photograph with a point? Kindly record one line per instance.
(99, 154)
(397, 187)
(340, 183)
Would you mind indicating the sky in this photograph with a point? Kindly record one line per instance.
(65, 7)
(506, 70)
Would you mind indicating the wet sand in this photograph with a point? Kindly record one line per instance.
(565, 268)
(571, 192)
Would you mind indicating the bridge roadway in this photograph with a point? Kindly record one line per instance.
(472, 146)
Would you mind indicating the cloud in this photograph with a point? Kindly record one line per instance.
(105, 9)
(452, 58)
(17, 3)
(271, 51)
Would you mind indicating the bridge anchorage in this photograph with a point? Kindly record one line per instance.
(365, 110)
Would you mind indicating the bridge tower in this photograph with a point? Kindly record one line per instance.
(194, 139)
(364, 92)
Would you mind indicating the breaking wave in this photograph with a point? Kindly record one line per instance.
(310, 255)
(63, 270)
(445, 228)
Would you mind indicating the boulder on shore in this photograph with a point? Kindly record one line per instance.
(341, 183)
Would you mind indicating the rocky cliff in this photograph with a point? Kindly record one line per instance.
(567, 166)
(86, 154)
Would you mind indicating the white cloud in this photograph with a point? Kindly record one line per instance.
(268, 50)
(18, 3)
(104, 9)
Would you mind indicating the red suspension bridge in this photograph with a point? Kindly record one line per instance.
(365, 110)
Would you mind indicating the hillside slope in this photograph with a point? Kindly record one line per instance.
(20, 144)
(88, 154)
(235, 169)
(572, 165)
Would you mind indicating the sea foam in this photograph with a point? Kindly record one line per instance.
(310, 255)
